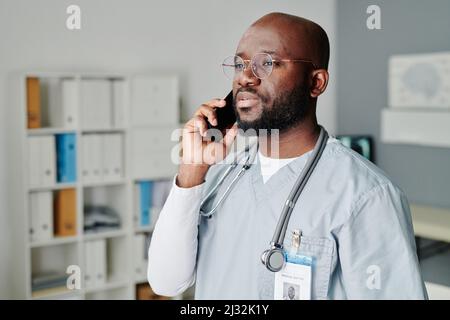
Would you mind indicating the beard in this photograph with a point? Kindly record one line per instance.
(288, 110)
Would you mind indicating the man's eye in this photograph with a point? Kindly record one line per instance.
(267, 63)
(239, 66)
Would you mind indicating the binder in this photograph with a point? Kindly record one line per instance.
(69, 103)
(52, 110)
(112, 157)
(136, 204)
(155, 100)
(34, 228)
(41, 161)
(66, 158)
(96, 103)
(45, 215)
(139, 262)
(65, 220)
(86, 165)
(95, 257)
(145, 202)
(89, 260)
(91, 158)
(95, 143)
(33, 103)
(118, 103)
(100, 262)
(48, 160)
(34, 161)
(41, 216)
(152, 150)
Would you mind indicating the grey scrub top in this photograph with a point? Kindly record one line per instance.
(354, 222)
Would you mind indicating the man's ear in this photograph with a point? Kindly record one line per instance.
(319, 82)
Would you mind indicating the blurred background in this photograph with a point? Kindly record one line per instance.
(87, 116)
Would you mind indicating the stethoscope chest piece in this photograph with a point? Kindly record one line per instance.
(274, 258)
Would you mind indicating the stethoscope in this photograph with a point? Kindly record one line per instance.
(273, 258)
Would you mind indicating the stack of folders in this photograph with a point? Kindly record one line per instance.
(59, 99)
(41, 216)
(48, 280)
(140, 248)
(52, 160)
(51, 102)
(66, 158)
(102, 103)
(150, 197)
(95, 263)
(52, 214)
(102, 157)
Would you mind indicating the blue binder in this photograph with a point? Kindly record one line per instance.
(146, 188)
(66, 158)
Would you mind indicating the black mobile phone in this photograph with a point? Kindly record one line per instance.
(225, 116)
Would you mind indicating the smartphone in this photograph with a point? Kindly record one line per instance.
(226, 116)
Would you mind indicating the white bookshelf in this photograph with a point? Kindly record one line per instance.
(34, 257)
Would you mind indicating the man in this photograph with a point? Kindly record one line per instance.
(355, 223)
(290, 293)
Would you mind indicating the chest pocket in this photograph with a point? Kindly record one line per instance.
(322, 251)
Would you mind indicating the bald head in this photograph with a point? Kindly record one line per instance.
(302, 36)
(281, 90)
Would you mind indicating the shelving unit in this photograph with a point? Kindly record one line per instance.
(55, 254)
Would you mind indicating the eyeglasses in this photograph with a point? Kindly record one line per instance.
(261, 65)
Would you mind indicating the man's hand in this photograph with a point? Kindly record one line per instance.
(199, 154)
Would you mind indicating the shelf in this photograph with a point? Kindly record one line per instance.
(140, 280)
(103, 183)
(48, 131)
(54, 293)
(52, 131)
(104, 234)
(103, 130)
(58, 186)
(430, 222)
(108, 286)
(437, 291)
(54, 242)
(109, 128)
(416, 127)
(144, 229)
(154, 178)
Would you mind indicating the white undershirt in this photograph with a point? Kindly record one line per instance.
(269, 166)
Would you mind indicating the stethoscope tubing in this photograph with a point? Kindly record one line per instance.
(244, 168)
(276, 245)
(280, 231)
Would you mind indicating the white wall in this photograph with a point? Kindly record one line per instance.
(187, 37)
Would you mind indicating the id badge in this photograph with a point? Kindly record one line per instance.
(293, 282)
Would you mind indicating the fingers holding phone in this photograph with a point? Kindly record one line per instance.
(225, 116)
(198, 151)
(197, 134)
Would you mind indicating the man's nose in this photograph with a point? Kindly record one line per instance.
(247, 77)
